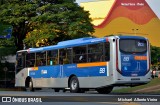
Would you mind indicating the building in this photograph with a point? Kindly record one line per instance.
(131, 17)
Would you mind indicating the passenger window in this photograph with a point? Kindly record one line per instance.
(52, 57)
(80, 54)
(20, 61)
(95, 52)
(41, 59)
(65, 56)
(106, 51)
(30, 60)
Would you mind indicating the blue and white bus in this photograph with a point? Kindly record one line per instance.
(85, 63)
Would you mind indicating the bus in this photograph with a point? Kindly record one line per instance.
(85, 64)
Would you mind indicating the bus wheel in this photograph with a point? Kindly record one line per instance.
(30, 86)
(104, 90)
(74, 85)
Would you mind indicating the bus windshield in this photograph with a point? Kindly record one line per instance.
(133, 46)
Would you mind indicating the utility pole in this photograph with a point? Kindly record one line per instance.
(135, 31)
(5, 69)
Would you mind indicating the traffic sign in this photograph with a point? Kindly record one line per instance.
(6, 36)
(5, 31)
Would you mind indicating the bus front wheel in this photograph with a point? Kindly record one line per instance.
(29, 85)
(104, 90)
(74, 85)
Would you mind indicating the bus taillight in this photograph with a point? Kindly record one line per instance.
(117, 57)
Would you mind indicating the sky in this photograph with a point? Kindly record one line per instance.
(154, 4)
(79, 1)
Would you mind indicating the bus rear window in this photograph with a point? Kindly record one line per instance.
(133, 46)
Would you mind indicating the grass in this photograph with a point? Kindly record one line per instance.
(153, 82)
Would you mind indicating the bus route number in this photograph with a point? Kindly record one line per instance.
(126, 59)
(102, 70)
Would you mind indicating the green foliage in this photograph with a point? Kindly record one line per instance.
(4, 29)
(18, 13)
(54, 20)
(7, 47)
(60, 22)
(46, 32)
(155, 54)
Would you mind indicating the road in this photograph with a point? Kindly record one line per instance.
(49, 97)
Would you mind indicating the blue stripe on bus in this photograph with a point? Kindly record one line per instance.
(60, 71)
(133, 66)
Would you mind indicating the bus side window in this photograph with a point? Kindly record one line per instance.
(52, 57)
(20, 61)
(95, 52)
(41, 58)
(79, 54)
(65, 56)
(19, 64)
(61, 55)
(69, 56)
(30, 60)
(107, 51)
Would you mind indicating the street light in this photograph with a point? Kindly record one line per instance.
(135, 31)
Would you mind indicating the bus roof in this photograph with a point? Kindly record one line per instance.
(22, 51)
(69, 43)
(132, 37)
(76, 42)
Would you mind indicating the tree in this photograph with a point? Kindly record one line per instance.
(18, 13)
(7, 47)
(1, 2)
(52, 20)
(155, 54)
(57, 22)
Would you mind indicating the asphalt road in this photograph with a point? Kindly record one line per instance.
(49, 97)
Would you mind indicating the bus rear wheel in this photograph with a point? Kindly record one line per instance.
(74, 85)
(105, 90)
